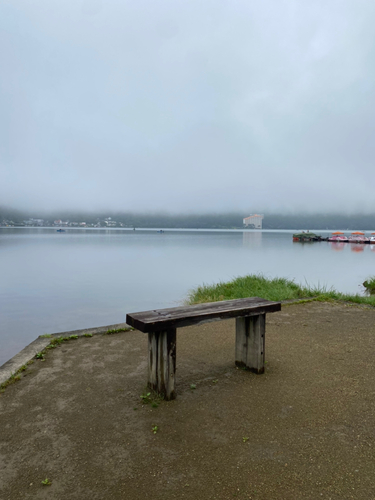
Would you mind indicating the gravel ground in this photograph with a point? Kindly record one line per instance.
(303, 430)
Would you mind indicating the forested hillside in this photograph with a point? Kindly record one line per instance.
(202, 221)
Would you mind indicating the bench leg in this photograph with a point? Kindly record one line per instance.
(250, 342)
(162, 362)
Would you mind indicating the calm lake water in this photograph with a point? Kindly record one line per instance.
(53, 282)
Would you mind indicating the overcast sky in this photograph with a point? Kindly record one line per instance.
(194, 105)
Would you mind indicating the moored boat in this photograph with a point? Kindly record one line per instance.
(306, 236)
(358, 237)
(338, 236)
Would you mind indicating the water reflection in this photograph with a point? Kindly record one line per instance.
(357, 247)
(252, 239)
(337, 246)
(354, 247)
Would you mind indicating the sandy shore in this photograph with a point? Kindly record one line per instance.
(303, 430)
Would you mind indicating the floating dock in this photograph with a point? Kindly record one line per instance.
(337, 237)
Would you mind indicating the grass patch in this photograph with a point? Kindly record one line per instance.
(369, 284)
(15, 377)
(277, 289)
(119, 330)
(150, 397)
(55, 342)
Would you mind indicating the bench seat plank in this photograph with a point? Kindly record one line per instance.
(177, 317)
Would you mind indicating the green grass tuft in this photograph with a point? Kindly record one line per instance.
(276, 289)
(119, 330)
(151, 397)
(15, 377)
(247, 286)
(369, 284)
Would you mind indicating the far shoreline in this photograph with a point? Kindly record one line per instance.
(182, 229)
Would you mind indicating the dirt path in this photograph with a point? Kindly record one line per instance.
(303, 430)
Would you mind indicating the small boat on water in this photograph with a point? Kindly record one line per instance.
(358, 237)
(306, 236)
(338, 236)
(60, 230)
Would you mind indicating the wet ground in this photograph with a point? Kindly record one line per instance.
(303, 430)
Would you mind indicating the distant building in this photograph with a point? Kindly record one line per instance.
(34, 222)
(254, 221)
(60, 222)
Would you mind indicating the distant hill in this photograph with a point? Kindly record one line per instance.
(201, 221)
(319, 221)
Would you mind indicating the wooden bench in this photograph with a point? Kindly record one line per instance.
(161, 327)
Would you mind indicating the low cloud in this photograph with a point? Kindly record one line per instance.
(196, 106)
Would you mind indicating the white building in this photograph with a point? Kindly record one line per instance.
(34, 222)
(254, 221)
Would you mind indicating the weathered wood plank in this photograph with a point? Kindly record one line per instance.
(162, 362)
(250, 342)
(256, 344)
(176, 317)
(242, 328)
(167, 366)
(152, 360)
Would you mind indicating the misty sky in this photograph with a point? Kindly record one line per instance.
(187, 105)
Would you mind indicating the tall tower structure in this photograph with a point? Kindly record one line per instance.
(254, 221)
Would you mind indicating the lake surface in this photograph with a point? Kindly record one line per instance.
(54, 282)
